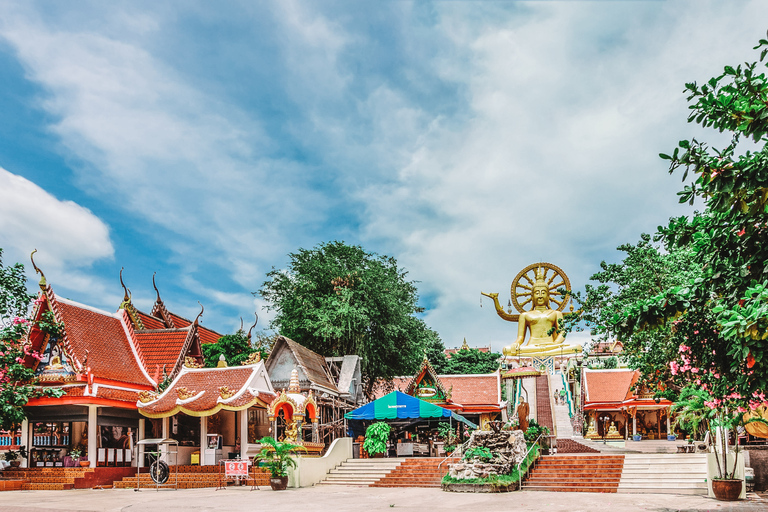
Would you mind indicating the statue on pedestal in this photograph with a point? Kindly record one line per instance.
(538, 287)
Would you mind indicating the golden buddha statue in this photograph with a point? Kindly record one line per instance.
(613, 432)
(541, 318)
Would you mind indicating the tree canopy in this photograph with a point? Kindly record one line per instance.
(338, 299)
(16, 380)
(719, 319)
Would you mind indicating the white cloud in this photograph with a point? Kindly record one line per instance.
(68, 237)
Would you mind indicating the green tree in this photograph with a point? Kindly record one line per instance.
(646, 269)
(338, 299)
(468, 361)
(16, 379)
(720, 319)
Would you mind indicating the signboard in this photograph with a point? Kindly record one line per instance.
(235, 467)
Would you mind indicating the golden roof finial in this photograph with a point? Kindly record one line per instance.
(127, 296)
(43, 283)
(464, 345)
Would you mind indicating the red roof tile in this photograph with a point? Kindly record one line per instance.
(204, 384)
(206, 335)
(151, 322)
(162, 348)
(110, 353)
(473, 389)
(613, 386)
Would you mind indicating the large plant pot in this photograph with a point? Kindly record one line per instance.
(379, 455)
(637, 438)
(15, 463)
(84, 463)
(278, 483)
(726, 490)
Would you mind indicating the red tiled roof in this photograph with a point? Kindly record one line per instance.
(151, 322)
(607, 386)
(122, 395)
(162, 348)
(110, 354)
(206, 335)
(471, 390)
(179, 322)
(204, 384)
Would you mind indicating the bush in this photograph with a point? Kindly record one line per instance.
(376, 436)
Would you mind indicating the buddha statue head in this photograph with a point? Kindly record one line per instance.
(540, 291)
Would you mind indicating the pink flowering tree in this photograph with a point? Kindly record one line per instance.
(17, 381)
(720, 318)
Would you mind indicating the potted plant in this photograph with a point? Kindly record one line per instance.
(276, 456)
(12, 456)
(376, 436)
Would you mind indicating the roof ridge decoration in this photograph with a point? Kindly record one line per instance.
(256, 314)
(135, 347)
(53, 307)
(159, 307)
(191, 362)
(127, 305)
(435, 393)
(254, 358)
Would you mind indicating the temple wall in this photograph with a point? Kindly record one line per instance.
(311, 470)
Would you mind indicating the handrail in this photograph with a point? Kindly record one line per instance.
(568, 397)
(520, 475)
(462, 446)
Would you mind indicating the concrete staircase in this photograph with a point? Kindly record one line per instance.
(659, 473)
(47, 479)
(544, 411)
(417, 472)
(362, 472)
(576, 473)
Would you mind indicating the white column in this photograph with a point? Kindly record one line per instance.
(203, 439)
(166, 435)
(93, 435)
(634, 424)
(142, 435)
(25, 427)
(243, 434)
(669, 432)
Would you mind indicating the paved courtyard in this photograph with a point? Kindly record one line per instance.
(342, 499)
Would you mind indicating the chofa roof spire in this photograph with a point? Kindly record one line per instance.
(42, 283)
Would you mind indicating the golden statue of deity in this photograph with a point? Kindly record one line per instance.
(538, 285)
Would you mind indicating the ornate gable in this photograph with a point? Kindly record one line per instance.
(427, 386)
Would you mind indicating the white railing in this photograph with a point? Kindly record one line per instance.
(519, 474)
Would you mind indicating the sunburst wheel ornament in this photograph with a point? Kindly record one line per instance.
(552, 275)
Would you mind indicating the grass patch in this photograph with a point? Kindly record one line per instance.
(514, 476)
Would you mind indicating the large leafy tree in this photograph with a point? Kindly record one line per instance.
(720, 319)
(468, 361)
(646, 269)
(16, 380)
(338, 299)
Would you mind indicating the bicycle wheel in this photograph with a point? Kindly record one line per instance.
(159, 472)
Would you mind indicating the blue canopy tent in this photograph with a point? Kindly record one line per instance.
(398, 405)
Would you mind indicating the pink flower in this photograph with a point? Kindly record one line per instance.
(741, 233)
(694, 370)
(674, 367)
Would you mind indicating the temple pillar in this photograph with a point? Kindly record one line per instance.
(658, 421)
(243, 434)
(669, 427)
(166, 435)
(315, 436)
(25, 426)
(142, 434)
(93, 435)
(634, 424)
(203, 438)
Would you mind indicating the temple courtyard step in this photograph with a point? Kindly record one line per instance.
(576, 473)
(363, 472)
(421, 472)
(664, 473)
(573, 446)
(199, 479)
(49, 479)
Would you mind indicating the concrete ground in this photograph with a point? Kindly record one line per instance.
(343, 499)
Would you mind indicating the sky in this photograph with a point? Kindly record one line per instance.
(206, 141)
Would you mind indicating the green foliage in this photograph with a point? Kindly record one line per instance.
(718, 319)
(337, 299)
(472, 361)
(478, 452)
(512, 477)
(376, 436)
(16, 379)
(14, 455)
(534, 431)
(691, 411)
(602, 363)
(235, 348)
(448, 434)
(277, 456)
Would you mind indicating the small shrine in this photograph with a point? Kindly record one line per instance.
(290, 411)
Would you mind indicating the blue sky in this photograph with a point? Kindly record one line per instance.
(205, 141)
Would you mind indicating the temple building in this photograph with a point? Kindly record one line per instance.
(103, 362)
(477, 397)
(465, 346)
(608, 396)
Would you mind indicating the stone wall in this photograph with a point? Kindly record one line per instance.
(507, 447)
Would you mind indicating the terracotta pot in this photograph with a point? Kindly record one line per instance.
(726, 490)
(84, 463)
(15, 463)
(278, 483)
(379, 455)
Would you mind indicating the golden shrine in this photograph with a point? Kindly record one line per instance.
(539, 285)
(295, 408)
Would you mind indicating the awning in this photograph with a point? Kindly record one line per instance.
(398, 405)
